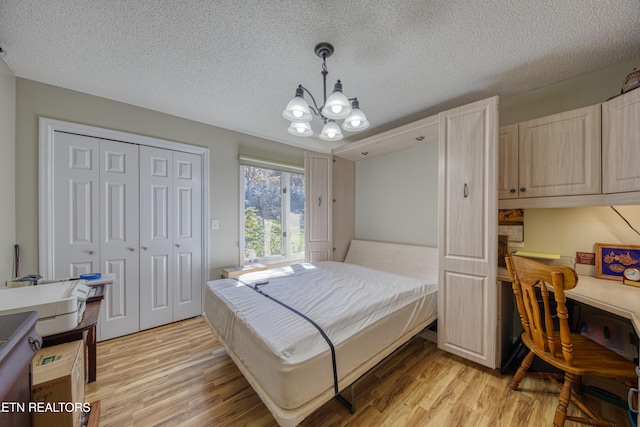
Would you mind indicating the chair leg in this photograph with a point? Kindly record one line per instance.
(565, 397)
(522, 370)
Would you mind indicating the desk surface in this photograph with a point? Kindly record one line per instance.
(607, 295)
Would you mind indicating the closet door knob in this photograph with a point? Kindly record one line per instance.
(144, 248)
(177, 245)
(130, 249)
(89, 252)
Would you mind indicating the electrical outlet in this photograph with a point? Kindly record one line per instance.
(215, 224)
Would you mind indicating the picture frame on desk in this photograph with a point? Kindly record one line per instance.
(612, 259)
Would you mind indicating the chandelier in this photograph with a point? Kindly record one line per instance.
(336, 107)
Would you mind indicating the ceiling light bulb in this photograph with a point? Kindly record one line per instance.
(337, 105)
(300, 129)
(357, 121)
(331, 132)
(297, 109)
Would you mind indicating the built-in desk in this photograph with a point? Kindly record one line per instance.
(607, 295)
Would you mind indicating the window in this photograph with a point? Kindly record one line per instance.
(272, 212)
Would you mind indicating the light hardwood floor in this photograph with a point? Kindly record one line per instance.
(179, 375)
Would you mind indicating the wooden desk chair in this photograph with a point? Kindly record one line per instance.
(572, 353)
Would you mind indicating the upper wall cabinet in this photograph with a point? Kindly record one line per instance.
(621, 143)
(508, 165)
(557, 155)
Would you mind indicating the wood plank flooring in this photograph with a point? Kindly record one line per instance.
(179, 375)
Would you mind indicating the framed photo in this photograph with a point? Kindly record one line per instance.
(612, 259)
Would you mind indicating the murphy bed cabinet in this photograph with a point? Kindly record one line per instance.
(318, 207)
(344, 206)
(467, 232)
(467, 241)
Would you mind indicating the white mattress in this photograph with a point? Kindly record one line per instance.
(366, 313)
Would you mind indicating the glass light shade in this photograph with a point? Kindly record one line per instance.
(337, 105)
(297, 110)
(357, 121)
(331, 132)
(300, 129)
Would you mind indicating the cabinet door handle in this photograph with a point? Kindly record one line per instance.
(513, 190)
(522, 190)
(466, 190)
(319, 201)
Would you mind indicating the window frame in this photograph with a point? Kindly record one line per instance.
(285, 181)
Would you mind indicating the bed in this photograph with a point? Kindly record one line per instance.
(346, 318)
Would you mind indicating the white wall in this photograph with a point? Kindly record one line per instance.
(7, 171)
(34, 100)
(397, 196)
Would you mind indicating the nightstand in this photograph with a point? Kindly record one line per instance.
(231, 272)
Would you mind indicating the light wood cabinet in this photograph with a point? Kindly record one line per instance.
(318, 206)
(508, 162)
(557, 155)
(621, 143)
(344, 206)
(467, 232)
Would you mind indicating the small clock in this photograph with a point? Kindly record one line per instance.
(631, 276)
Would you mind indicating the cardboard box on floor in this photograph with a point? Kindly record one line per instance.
(58, 380)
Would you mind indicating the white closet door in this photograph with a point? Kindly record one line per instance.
(119, 208)
(156, 237)
(76, 205)
(96, 222)
(187, 240)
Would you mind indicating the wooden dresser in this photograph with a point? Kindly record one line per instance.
(19, 341)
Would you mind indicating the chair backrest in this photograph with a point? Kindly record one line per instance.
(536, 311)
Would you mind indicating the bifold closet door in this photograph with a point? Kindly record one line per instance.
(170, 236)
(119, 246)
(187, 239)
(96, 222)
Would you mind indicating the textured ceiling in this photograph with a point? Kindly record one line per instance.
(236, 63)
